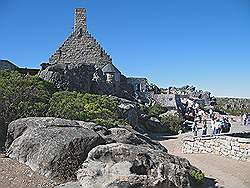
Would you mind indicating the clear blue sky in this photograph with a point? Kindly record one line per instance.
(205, 43)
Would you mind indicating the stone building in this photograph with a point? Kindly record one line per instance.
(80, 46)
(81, 64)
(112, 73)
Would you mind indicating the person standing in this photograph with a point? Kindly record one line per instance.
(204, 128)
(244, 117)
(210, 113)
(227, 125)
(213, 126)
(200, 113)
(216, 126)
(195, 128)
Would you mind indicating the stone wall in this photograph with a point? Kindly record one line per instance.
(228, 146)
(81, 48)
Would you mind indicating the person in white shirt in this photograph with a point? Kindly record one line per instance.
(244, 117)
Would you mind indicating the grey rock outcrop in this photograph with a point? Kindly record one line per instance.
(127, 110)
(56, 147)
(99, 157)
(152, 124)
(170, 113)
(124, 165)
(122, 135)
(51, 146)
(70, 76)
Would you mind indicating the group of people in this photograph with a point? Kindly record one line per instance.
(219, 124)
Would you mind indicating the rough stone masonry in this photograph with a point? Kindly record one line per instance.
(80, 46)
(79, 64)
(228, 146)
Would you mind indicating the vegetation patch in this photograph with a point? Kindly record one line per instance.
(198, 176)
(233, 106)
(173, 123)
(29, 96)
(84, 107)
(156, 110)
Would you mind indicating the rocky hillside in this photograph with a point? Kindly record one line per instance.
(233, 106)
(86, 138)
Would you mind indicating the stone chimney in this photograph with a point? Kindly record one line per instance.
(80, 20)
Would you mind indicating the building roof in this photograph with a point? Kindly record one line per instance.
(110, 68)
(7, 65)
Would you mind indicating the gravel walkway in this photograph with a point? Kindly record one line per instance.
(16, 175)
(221, 171)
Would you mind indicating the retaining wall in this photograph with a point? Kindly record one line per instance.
(228, 146)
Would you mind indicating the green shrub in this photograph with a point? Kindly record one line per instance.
(29, 96)
(23, 96)
(85, 107)
(143, 109)
(156, 110)
(109, 123)
(172, 122)
(198, 176)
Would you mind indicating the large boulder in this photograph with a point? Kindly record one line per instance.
(51, 146)
(125, 136)
(152, 124)
(127, 110)
(170, 113)
(99, 157)
(16, 128)
(125, 165)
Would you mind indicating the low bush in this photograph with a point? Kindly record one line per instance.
(156, 110)
(85, 107)
(22, 96)
(109, 123)
(172, 122)
(198, 176)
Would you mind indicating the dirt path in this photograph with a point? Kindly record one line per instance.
(16, 175)
(227, 172)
